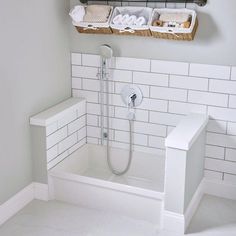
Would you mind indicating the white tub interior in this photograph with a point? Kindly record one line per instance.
(89, 162)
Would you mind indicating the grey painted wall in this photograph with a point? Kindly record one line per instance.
(214, 43)
(34, 74)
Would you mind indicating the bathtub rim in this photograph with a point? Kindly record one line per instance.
(107, 184)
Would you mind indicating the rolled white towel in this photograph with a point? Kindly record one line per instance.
(131, 20)
(124, 20)
(140, 21)
(77, 13)
(117, 19)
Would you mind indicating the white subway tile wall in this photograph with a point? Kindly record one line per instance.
(68, 133)
(171, 90)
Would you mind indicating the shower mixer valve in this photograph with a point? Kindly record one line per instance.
(131, 96)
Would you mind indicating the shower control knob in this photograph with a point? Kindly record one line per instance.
(132, 96)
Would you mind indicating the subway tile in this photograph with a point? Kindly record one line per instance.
(153, 104)
(76, 58)
(221, 140)
(76, 125)
(84, 72)
(169, 67)
(81, 109)
(216, 126)
(151, 129)
(119, 124)
(186, 108)
(90, 96)
(93, 108)
(222, 86)
(125, 63)
(91, 60)
(231, 129)
(115, 100)
(76, 83)
(186, 82)
(230, 141)
(56, 160)
(121, 136)
(150, 150)
(111, 114)
(208, 98)
(169, 93)
(92, 140)
(77, 146)
(230, 178)
(220, 165)
(82, 133)
(232, 101)
(230, 154)
(215, 152)
(91, 84)
(67, 143)
(216, 139)
(233, 73)
(67, 118)
(150, 79)
(209, 174)
(156, 142)
(210, 71)
(140, 115)
(52, 153)
(56, 137)
(222, 113)
(138, 139)
(93, 132)
(121, 75)
(120, 145)
(92, 120)
(165, 118)
(111, 111)
(51, 128)
(111, 86)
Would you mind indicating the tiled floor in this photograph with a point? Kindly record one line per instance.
(215, 217)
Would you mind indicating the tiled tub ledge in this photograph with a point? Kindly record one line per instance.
(56, 133)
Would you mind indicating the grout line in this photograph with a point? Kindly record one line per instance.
(66, 137)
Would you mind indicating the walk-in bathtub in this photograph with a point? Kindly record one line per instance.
(84, 178)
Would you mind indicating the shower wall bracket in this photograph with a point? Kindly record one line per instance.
(200, 3)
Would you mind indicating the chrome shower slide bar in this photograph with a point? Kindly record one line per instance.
(198, 2)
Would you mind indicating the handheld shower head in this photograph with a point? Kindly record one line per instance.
(106, 51)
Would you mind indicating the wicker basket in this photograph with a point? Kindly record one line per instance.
(132, 29)
(187, 34)
(94, 28)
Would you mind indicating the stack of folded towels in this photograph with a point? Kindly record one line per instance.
(129, 20)
(92, 13)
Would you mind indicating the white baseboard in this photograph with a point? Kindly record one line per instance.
(21, 199)
(173, 222)
(16, 203)
(180, 222)
(220, 189)
(41, 191)
(193, 205)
